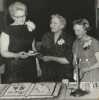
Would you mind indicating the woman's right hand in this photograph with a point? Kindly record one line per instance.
(22, 55)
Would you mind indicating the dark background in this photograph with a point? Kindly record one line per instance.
(40, 11)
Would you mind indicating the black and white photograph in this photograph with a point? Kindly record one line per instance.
(49, 49)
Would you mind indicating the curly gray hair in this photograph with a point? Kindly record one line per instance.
(61, 18)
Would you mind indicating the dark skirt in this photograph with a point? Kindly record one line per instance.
(53, 71)
(20, 70)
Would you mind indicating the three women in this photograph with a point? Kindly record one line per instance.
(56, 49)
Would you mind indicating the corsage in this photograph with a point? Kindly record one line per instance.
(30, 25)
(87, 44)
(61, 42)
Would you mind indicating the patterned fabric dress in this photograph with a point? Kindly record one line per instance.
(87, 58)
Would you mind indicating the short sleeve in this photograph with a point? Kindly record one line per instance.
(95, 44)
(6, 30)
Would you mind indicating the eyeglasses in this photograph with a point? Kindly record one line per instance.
(19, 16)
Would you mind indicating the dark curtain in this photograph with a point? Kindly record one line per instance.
(40, 10)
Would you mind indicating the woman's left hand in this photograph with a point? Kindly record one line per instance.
(30, 25)
(46, 58)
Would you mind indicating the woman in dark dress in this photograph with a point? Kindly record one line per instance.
(16, 42)
(56, 48)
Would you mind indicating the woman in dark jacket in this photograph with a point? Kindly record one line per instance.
(56, 48)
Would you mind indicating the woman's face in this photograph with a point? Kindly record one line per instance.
(56, 25)
(79, 31)
(19, 16)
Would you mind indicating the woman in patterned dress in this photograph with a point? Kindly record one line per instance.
(86, 52)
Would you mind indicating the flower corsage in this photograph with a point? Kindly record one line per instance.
(87, 44)
(30, 25)
(61, 42)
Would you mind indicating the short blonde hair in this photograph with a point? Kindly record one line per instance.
(61, 18)
(17, 6)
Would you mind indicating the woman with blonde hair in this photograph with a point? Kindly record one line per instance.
(16, 41)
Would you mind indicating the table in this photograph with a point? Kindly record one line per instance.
(64, 94)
